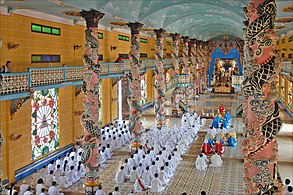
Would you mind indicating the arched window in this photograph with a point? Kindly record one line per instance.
(45, 137)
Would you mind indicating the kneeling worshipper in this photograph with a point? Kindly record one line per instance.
(39, 186)
(100, 191)
(53, 190)
(216, 160)
(219, 146)
(156, 185)
(63, 181)
(133, 175)
(121, 175)
(140, 185)
(23, 187)
(232, 141)
(206, 147)
(163, 176)
(49, 179)
(200, 163)
(146, 176)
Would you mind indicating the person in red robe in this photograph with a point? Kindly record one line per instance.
(219, 147)
(206, 147)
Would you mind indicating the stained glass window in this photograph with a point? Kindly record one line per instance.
(143, 90)
(44, 117)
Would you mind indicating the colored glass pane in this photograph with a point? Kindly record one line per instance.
(55, 58)
(46, 58)
(36, 28)
(55, 31)
(46, 29)
(283, 40)
(100, 35)
(36, 58)
(44, 120)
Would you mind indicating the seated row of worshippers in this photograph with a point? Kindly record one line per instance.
(153, 168)
(192, 120)
(202, 161)
(40, 189)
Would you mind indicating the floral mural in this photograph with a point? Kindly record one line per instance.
(44, 122)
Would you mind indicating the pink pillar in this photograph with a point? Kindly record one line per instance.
(160, 88)
(90, 89)
(134, 88)
(260, 110)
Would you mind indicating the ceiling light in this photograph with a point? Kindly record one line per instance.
(58, 2)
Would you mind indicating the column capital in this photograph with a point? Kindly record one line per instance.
(134, 27)
(159, 32)
(91, 17)
(185, 39)
(175, 36)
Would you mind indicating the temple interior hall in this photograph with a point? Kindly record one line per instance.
(167, 97)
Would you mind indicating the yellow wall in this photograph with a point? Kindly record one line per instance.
(285, 48)
(17, 154)
(17, 29)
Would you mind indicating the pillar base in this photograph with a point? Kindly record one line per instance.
(135, 146)
(91, 185)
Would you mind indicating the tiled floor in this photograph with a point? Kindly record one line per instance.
(225, 180)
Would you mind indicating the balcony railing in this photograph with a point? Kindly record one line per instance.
(15, 85)
(181, 80)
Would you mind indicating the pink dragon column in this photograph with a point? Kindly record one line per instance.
(160, 88)
(194, 79)
(174, 55)
(90, 88)
(199, 56)
(185, 65)
(134, 88)
(175, 66)
(185, 58)
(260, 110)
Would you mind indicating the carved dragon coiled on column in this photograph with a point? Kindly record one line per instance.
(185, 58)
(134, 88)
(175, 72)
(199, 56)
(194, 79)
(260, 110)
(90, 88)
(159, 79)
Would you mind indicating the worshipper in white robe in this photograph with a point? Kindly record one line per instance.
(146, 176)
(127, 167)
(102, 155)
(168, 170)
(216, 160)
(140, 185)
(136, 158)
(154, 169)
(163, 176)
(108, 152)
(131, 162)
(23, 187)
(143, 161)
(78, 158)
(44, 172)
(119, 141)
(51, 166)
(66, 157)
(49, 179)
(63, 181)
(71, 175)
(72, 162)
(43, 191)
(100, 191)
(116, 191)
(28, 191)
(39, 186)
(140, 170)
(177, 155)
(57, 173)
(121, 175)
(59, 161)
(53, 190)
(205, 156)
(35, 177)
(156, 185)
(200, 163)
(80, 169)
(133, 175)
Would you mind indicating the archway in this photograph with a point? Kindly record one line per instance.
(218, 54)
